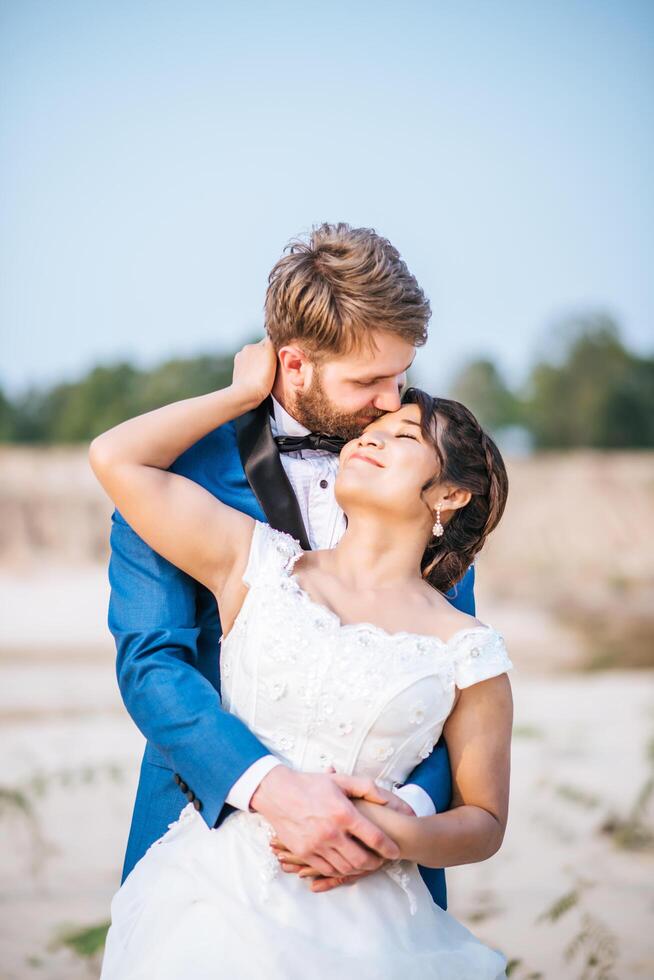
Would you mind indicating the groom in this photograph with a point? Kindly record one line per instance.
(345, 316)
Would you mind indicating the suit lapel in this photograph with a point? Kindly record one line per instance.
(266, 474)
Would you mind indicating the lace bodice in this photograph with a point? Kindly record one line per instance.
(319, 693)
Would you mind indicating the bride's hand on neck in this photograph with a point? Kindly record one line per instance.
(255, 367)
(175, 516)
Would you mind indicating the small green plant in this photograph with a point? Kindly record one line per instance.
(579, 796)
(527, 731)
(18, 801)
(593, 943)
(15, 802)
(516, 964)
(559, 908)
(635, 832)
(86, 942)
(598, 948)
(487, 907)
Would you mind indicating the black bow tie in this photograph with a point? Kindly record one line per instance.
(312, 440)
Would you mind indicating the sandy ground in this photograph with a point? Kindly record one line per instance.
(580, 754)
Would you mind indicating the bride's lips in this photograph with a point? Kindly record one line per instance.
(366, 458)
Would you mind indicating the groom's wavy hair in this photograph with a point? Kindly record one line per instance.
(334, 288)
(468, 458)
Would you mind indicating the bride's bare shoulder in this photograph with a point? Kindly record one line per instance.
(448, 620)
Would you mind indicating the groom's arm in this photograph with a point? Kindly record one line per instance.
(428, 788)
(152, 616)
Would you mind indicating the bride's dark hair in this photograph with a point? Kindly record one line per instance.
(469, 459)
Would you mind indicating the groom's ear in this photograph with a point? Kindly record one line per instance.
(295, 366)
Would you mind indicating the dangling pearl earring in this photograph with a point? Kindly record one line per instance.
(438, 530)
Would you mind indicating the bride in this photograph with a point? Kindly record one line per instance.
(347, 660)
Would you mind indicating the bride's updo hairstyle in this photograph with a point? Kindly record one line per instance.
(469, 459)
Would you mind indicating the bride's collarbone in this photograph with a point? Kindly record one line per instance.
(392, 610)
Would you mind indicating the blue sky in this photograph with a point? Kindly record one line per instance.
(155, 157)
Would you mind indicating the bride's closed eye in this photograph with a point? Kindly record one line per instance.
(407, 435)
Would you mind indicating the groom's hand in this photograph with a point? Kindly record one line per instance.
(294, 864)
(316, 821)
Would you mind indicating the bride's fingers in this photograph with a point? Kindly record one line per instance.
(343, 859)
(328, 862)
(279, 848)
(289, 861)
(374, 796)
(288, 858)
(349, 857)
(292, 869)
(326, 884)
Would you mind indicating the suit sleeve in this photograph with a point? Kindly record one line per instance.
(434, 775)
(152, 616)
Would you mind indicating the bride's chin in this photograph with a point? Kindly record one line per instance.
(358, 471)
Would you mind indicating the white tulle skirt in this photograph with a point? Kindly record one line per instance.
(207, 904)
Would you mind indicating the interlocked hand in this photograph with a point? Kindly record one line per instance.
(356, 788)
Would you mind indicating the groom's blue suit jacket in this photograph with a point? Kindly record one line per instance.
(167, 634)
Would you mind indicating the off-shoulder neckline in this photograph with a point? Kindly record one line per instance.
(384, 634)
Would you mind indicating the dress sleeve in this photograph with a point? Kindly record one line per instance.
(480, 654)
(271, 552)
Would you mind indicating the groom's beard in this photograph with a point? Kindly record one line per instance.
(316, 412)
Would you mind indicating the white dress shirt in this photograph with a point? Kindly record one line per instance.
(311, 473)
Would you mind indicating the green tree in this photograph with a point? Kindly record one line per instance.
(482, 389)
(76, 411)
(7, 418)
(178, 379)
(102, 399)
(596, 394)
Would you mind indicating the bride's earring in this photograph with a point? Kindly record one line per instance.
(438, 530)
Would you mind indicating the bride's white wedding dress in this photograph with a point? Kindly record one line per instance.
(206, 903)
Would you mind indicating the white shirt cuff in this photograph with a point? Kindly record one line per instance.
(420, 802)
(243, 789)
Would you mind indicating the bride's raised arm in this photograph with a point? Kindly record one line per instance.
(179, 519)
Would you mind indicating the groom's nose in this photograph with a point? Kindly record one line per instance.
(387, 397)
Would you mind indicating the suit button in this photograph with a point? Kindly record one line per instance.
(197, 805)
(190, 796)
(177, 778)
(183, 786)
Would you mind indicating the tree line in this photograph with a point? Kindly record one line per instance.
(589, 391)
